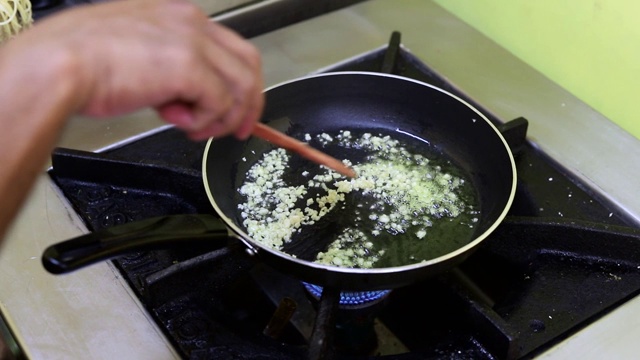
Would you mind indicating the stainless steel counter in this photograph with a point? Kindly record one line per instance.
(92, 314)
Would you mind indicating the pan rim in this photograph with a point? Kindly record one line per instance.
(252, 244)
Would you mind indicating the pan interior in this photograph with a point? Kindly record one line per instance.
(429, 121)
(360, 212)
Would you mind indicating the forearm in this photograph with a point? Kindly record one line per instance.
(37, 96)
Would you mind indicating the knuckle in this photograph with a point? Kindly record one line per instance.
(252, 54)
(184, 8)
(245, 83)
(182, 58)
(220, 106)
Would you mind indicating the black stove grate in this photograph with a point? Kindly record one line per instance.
(560, 260)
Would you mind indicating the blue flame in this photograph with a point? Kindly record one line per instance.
(350, 298)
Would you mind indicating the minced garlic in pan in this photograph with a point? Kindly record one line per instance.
(399, 196)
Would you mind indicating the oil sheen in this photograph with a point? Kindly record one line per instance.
(408, 204)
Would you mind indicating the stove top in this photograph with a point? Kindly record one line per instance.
(562, 258)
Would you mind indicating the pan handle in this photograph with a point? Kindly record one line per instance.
(154, 233)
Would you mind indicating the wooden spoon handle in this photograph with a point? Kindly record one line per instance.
(287, 142)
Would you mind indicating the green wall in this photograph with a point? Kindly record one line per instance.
(590, 47)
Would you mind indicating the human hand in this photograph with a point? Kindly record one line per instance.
(165, 54)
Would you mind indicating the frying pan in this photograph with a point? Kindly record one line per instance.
(358, 101)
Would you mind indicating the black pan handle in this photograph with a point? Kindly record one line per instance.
(149, 234)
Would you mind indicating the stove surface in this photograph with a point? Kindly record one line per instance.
(561, 259)
(94, 313)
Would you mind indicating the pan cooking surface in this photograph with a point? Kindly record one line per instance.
(425, 209)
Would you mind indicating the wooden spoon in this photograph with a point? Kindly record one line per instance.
(287, 142)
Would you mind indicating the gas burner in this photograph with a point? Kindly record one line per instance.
(351, 299)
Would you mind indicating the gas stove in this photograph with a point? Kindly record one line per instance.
(544, 274)
(532, 297)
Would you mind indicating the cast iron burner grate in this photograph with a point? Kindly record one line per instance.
(563, 258)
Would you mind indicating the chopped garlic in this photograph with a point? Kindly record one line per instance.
(407, 192)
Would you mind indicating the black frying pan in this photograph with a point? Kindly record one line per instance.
(331, 102)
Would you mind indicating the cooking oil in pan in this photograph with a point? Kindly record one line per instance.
(407, 205)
